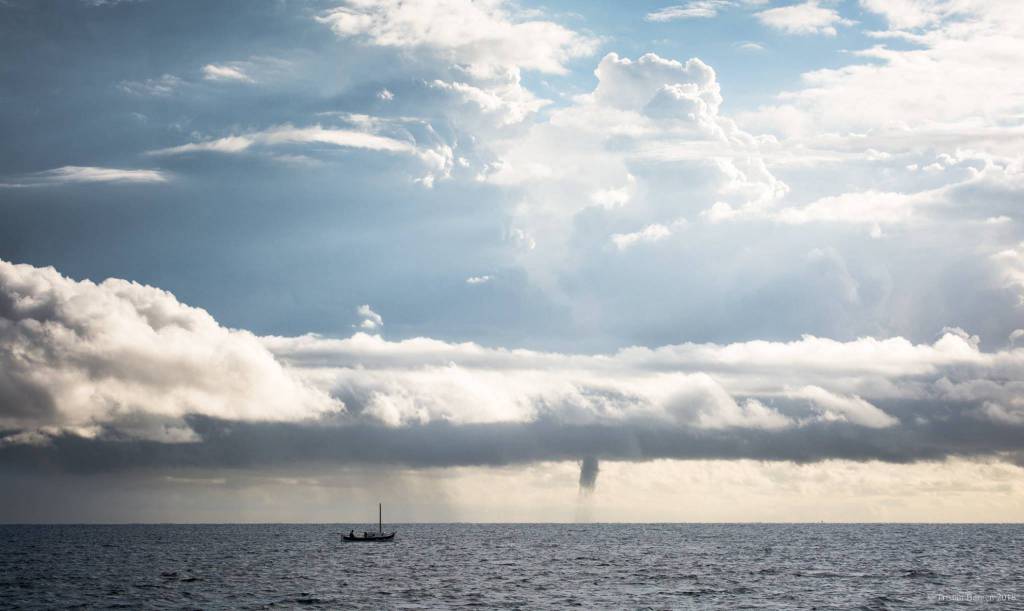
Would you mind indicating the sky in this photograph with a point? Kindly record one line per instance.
(708, 260)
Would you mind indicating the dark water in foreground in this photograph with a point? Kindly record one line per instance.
(515, 566)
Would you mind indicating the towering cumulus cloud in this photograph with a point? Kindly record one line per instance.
(118, 374)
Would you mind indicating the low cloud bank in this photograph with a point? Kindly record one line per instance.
(263, 445)
(116, 375)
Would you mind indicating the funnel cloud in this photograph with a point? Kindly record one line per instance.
(588, 475)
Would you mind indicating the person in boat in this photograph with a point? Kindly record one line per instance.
(352, 533)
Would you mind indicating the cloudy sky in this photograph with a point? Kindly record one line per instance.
(718, 260)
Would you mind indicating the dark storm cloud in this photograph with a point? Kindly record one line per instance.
(951, 431)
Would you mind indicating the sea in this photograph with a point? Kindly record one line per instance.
(514, 566)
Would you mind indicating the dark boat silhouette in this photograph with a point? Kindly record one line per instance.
(380, 535)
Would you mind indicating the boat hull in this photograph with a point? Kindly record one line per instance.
(384, 537)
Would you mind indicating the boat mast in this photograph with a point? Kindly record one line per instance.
(380, 518)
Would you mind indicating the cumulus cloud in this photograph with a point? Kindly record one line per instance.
(804, 18)
(921, 91)
(1011, 266)
(851, 408)
(91, 371)
(650, 233)
(501, 96)
(868, 207)
(650, 143)
(82, 358)
(912, 13)
(95, 351)
(484, 34)
(654, 113)
(871, 208)
(785, 386)
(627, 84)
(481, 384)
(470, 55)
(371, 320)
(645, 107)
(955, 198)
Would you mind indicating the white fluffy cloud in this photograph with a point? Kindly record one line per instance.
(422, 380)
(1011, 266)
(118, 360)
(851, 408)
(471, 54)
(500, 95)
(650, 233)
(913, 13)
(485, 34)
(804, 18)
(625, 84)
(699, 385)
(956, 198)
(945, 80)
(80, 357)
(651, 110)
(371, 320)
(639, 109)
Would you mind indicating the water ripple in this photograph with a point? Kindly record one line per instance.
(513, 567)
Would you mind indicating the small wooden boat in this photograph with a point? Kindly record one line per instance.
(380, 535)
(368, 536)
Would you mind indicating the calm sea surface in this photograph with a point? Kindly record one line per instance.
(515, 566)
